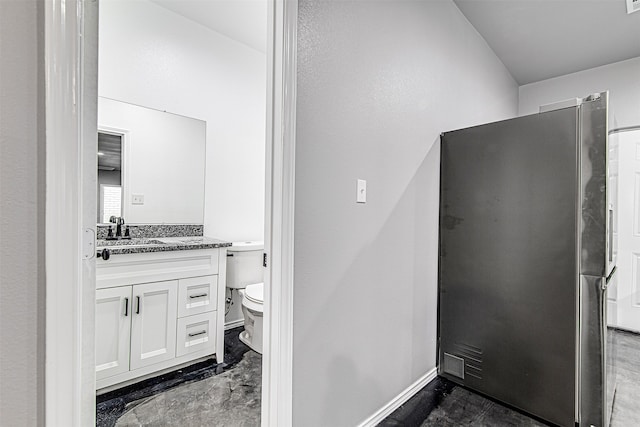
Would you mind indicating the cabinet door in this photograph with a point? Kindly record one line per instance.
(113, 331)
(153, 324)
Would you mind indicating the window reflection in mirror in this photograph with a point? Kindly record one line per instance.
(109, 176)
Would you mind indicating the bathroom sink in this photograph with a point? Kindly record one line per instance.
(128, 242)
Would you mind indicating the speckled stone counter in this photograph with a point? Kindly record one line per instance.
(160, 244)
(154, 230)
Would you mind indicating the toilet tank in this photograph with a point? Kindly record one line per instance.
(244, 264)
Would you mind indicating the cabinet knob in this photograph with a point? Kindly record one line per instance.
(104, 254)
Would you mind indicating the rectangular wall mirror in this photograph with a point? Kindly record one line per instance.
(151, 165)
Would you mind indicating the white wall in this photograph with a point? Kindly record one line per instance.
(21, 213)
(153, 57)
(163, 161)
(621, 79)
(377, 84)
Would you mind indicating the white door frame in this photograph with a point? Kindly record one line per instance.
(71, 46)
(71, 40)
(277, 362)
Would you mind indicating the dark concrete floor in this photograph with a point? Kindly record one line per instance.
(444, 404)
(229, 393)
(231, 398)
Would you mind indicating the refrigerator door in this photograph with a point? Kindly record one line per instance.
(597, 368)
(597, 210)
(508, 280)
(598, 248)
(610, 350)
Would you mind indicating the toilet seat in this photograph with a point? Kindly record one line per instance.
(255, 292)
(253, 297)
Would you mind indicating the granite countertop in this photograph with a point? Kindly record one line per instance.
(160, 244)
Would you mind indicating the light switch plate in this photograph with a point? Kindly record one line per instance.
(137, 199)
(361, 191)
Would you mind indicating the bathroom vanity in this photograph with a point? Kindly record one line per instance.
(159, 305)
(160, 283)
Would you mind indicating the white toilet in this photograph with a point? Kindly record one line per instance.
(245, 273)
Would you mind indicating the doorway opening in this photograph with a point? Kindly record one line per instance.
(72, 45)
(193, 104)
(624, 163)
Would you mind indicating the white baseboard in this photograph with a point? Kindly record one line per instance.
(401, 398)
(233, 324)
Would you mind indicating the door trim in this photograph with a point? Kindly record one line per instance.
(71, 40)
(277, 366)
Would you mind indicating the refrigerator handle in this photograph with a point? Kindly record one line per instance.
(610, 234)
(607, 280)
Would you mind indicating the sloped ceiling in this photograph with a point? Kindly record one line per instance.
(535, 39)
(242, 20)
(540, 39)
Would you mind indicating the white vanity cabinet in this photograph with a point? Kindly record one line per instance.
(156, 311)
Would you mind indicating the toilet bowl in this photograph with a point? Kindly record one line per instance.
(244, 275)
(253, 310)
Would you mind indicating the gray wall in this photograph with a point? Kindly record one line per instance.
(21, 213)
(621, 79)
(377, 83)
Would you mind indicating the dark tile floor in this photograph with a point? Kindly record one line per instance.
(228, 393)
(444, 404)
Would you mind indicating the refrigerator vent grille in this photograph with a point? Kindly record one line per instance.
(473, 359)
(453, 365)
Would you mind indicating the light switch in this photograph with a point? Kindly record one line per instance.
(137, 199)
(361, 189)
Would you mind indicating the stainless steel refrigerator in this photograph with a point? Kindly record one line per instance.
(526, 254)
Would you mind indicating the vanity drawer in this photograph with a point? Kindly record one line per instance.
(197, 295)
(196, 333)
